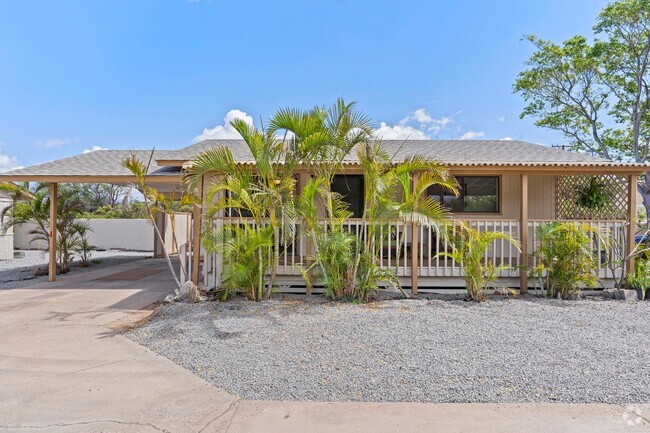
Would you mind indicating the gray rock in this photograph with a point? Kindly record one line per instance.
(504, 350)
(627, 295)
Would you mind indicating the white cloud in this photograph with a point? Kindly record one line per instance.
(507, 139)
(7, 162)
(399, 132)
(52, 143)
(471, 135)
(94, 148)
(417, 125)
(502, 119)
(226, 130)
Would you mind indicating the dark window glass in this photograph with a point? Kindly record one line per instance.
(351, 189)
(476, 194)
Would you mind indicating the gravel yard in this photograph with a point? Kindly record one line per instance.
(527, 350)
(19, 272)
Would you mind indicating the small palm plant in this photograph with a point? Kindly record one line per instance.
(82, 246)
(469, 250)
(245, 256)
(565, 258)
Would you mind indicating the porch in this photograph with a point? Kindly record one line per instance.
(411, 251)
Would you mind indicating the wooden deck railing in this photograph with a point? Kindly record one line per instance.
(395, 250)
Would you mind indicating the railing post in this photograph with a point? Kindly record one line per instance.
(523, 231)
(196, 234)
(415, 244)
(631, 227)
(51, 273)
(415, 240)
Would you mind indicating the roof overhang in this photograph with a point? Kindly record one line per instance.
(86, 179)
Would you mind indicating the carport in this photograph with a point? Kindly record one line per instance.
(105, 166)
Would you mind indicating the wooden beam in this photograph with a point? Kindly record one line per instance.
(51, 275)
(631, 228)
(197, 221)
(415, 244)
(166, 179)
(523, 230)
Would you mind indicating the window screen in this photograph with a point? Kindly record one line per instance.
(351, 189)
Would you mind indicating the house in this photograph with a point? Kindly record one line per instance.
(506, 185)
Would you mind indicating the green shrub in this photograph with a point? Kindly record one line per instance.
(565, 259)
(640, 279)
(469, 248)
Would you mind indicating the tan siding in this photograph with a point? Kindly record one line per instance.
(541, 197)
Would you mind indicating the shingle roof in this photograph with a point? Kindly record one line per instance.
(453, 153)
(458, 153)
(97, 163)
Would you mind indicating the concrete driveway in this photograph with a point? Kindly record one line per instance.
(63, 368)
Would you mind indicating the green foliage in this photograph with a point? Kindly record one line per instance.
(565, 259)
(265, 198)
(593, 196)
(640, 279)
(347, 263)
(155, 203)
(31, 204)
(82, 246)
(245, 256)
(134, 209)
(469, 249)
(596, 94)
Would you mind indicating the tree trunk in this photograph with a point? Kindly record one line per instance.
(644, 189)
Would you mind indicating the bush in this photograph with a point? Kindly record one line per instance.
(565, 260)
(469, 248)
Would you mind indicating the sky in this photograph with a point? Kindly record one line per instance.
(77, 76)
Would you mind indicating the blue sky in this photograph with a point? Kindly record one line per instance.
(78, 75)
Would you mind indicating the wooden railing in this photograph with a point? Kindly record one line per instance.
(395, 251)
(614, 231)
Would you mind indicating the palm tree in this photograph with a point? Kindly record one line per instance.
(263, 192)
(155, 203)
(397, 191)
(32, 206)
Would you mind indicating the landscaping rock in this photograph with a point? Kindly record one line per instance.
(627, 295)
(45, 270)
(504, 350)
(609, 293)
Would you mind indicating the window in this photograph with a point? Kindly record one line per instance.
(475, 194)
(351, 189)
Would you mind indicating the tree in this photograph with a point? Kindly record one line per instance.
(32, 204)
(596, 94)
(105, 194)
(155, 203)
(265, 194)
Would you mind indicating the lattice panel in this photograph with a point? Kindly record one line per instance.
(566, 194)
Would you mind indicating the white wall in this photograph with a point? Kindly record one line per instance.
(7, 239)
(123, 234)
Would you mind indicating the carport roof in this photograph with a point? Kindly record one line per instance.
(96, 166)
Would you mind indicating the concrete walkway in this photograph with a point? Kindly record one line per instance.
(63, 368)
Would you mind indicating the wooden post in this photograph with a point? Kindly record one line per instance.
(197, 218)
(631, 228)
(303, 179)
(523, 230)
(415, 244)
(51, 275)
